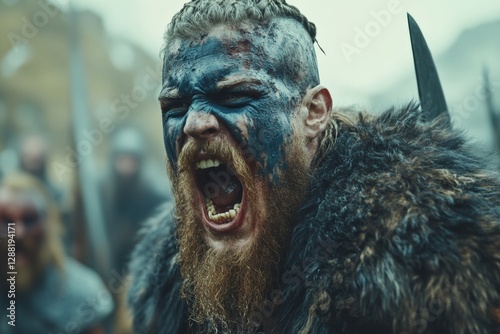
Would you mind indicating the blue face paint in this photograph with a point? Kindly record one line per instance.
(267, 84)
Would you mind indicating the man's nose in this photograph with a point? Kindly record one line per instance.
(201, 125)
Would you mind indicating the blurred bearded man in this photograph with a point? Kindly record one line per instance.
(47, 292)
(292, 219)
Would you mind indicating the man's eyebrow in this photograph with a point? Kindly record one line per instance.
(169, 93)
(237, 81)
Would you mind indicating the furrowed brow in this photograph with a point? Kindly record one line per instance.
(236, 81)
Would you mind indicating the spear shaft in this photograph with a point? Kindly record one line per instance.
(94, 217)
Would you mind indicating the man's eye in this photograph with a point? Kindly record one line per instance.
(236, 99)
(174, 105)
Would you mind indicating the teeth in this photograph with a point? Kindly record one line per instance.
(204, 164)
(224, 217)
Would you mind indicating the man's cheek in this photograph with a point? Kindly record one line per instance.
(268, 141)
(172, 132)
(237, 124)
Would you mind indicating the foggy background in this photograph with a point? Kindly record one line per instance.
(367, 62)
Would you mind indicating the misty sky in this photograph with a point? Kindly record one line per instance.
(352, 63)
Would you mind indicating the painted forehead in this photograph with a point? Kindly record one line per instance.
(281, 47)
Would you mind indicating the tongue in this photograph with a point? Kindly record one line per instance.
(229, 194)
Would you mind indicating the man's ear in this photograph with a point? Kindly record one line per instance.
(318, 102)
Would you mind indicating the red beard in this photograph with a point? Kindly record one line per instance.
(226, 288)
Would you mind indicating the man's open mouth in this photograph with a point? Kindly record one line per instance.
(222, 194)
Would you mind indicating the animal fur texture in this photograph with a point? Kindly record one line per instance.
(399, 233)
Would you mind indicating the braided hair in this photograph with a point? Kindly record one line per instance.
(201, 15)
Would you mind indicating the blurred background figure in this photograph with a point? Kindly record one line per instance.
(52, 291)
(130, 192)
(33, 159)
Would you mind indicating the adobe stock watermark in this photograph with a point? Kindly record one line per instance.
(372, 29)
(11, 273)
(32, 24)
(121, 109)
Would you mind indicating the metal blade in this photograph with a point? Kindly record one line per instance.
(429, 87)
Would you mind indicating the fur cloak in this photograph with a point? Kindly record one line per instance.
(399, 233)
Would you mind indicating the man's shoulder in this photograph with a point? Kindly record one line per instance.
(158, 228)
(402, 217)
(403, 135)
(157, 242)
(154, 296)
(398, 161)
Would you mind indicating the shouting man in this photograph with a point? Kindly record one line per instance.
(292, 218)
